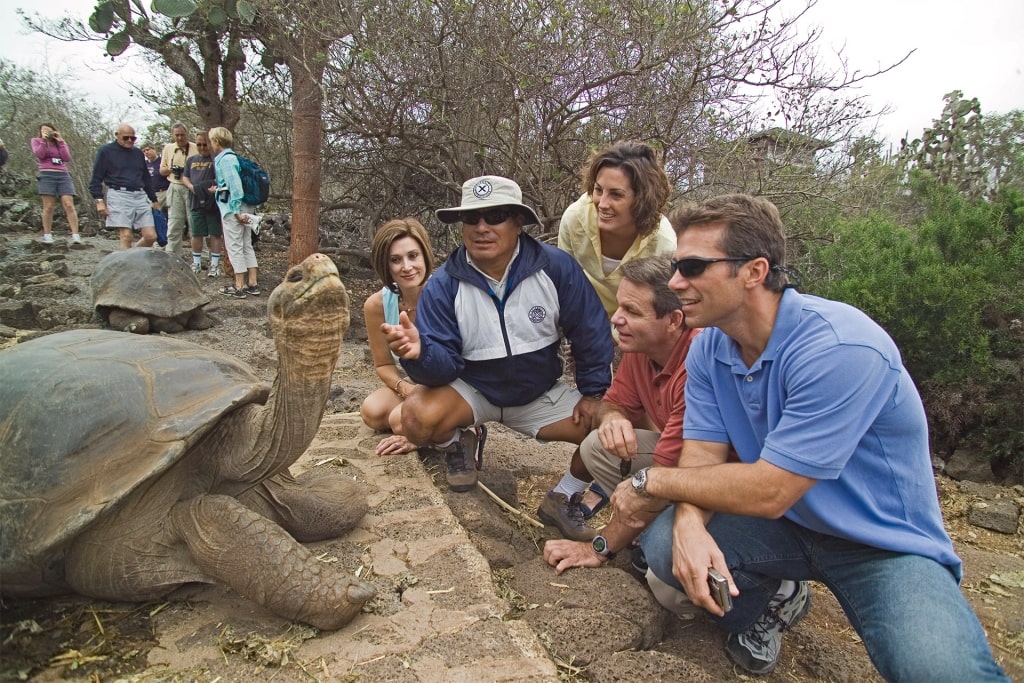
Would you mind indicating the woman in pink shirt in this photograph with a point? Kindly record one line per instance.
(54, 180)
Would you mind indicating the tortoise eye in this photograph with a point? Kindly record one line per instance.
(294, 275)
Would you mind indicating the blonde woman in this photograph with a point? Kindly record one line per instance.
(403, 260)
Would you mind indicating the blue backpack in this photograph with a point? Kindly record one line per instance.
(255, 181)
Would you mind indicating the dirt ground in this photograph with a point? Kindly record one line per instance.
(206, 633)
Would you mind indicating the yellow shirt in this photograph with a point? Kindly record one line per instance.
(578, 235)
(173, 156)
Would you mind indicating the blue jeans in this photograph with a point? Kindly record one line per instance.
(908, 609)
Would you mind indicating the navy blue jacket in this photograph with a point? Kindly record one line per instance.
(508, 349)
(118, 166)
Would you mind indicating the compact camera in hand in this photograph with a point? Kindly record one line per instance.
(176, 171)
(719, 587)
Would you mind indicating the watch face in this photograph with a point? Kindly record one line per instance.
(600, 545)
(640, 479)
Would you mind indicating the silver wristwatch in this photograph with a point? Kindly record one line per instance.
(639, 482)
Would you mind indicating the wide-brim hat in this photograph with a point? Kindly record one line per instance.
(487, 192)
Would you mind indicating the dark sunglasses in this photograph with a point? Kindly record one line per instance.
(201, 144)
(126, 138)
(490, 216)
(694, 266)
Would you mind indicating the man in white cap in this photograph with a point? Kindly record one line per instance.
(488, 327)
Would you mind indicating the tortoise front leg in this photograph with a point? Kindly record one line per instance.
(311, 507)
(258, 559)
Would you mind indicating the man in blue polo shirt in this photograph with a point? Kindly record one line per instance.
(834, 481)
(130, 201)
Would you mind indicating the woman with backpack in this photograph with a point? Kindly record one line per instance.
(236, 216)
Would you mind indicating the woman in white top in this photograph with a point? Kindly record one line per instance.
(403, 260)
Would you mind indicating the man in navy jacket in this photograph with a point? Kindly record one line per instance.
(488, 329)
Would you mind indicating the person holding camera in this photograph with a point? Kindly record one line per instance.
(172, 164)
(834, 481)
(54, 180)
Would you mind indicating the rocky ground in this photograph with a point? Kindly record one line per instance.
(598, 625)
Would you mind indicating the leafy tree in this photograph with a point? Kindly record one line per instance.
(948, 291)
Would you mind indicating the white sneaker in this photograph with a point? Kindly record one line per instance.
(197, 268)
(214, 271)
(48, 238)
(76, 238)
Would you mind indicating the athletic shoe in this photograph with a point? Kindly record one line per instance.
(463, 458)
(253, 290)
(214, 271)
(757, 649)
(76, 238)
(48, 238)
(197, 268)
(232, 291)
(565, 513)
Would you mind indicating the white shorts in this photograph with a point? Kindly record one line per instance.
(555, 404)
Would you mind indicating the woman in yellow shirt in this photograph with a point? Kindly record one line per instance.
(619, 217)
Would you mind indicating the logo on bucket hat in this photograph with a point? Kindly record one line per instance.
(487, 192)
(482, 189)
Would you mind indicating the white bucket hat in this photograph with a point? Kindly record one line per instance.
(488, 192)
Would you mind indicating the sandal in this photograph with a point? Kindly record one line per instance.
(232, 291)
(590, 512)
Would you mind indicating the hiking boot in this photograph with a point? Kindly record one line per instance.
(197, 268)
(566, 514)
(48, 238)
(461, 460)
(214, 271)
(76, 238)
(757, 649)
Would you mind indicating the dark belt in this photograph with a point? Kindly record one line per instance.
(127, 189)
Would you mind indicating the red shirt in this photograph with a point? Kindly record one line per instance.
(640, 388)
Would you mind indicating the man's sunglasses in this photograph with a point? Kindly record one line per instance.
(490, 216)
(126, 138)
(694, 266)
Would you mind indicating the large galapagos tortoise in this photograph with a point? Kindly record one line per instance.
(132, 465)
(148, 290)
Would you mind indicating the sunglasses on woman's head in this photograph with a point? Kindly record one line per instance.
(490, 216)
(694, 266)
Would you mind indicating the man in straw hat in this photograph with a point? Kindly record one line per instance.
(486, 340)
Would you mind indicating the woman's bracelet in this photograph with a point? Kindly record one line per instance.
(400, 380)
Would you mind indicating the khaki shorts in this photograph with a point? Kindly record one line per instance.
(556, 404)
(129, 210)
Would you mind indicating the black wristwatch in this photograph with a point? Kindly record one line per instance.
(600, 546)
(639, 482)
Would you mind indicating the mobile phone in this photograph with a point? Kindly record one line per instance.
(719, 587)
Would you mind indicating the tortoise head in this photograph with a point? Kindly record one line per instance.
(309, 314)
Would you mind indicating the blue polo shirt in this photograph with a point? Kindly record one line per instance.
(828, 399)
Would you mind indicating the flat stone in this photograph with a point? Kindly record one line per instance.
(1000, 515)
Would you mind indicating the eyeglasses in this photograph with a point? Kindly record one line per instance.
(126, 138)
(695, 266)
(201, 144)
(490, 216)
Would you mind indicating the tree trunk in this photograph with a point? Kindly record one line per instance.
(307, 143)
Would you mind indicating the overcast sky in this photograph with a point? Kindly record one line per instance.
(976, 46)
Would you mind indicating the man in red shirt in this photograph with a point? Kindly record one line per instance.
(640, 419)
